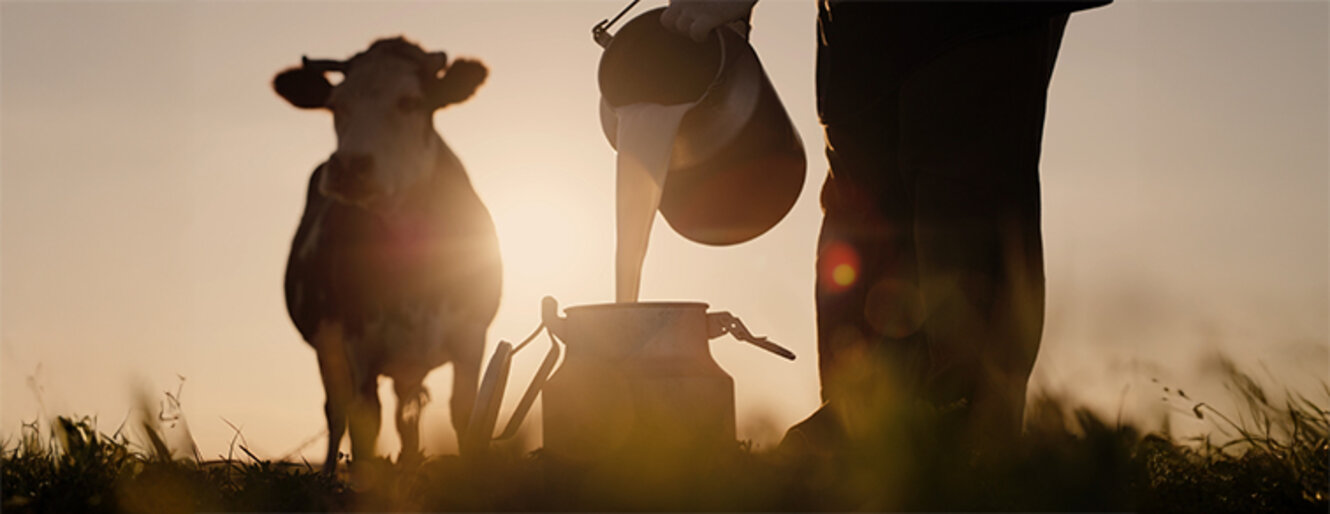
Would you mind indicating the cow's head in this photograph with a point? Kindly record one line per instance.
(383, 114)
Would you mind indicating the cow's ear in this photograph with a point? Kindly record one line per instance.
(306, 89)
(458, 83)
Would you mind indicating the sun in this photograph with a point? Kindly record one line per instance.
(547, 241)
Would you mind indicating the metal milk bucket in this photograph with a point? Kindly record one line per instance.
(637, 378)
(737, 165)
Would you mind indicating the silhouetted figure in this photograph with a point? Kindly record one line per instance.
(395, 267)
(930, 281)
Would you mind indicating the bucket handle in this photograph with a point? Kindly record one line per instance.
(601, 32)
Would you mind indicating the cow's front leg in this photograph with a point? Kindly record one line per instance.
(337, 387)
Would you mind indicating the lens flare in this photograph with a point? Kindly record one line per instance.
(838, 267)
(843, 275)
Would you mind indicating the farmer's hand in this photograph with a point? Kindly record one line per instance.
(697, 18)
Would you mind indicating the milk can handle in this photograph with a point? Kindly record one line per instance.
(529, 398)
(489, 397)
(721, 323)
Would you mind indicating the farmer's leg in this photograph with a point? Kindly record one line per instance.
(971, 126)
(868, 311)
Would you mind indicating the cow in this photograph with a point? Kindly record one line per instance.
(394, 269)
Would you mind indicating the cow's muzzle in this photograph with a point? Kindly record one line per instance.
(349, 177)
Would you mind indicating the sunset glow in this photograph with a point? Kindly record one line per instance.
(152, 183)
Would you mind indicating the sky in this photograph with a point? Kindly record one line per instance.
(151, 181)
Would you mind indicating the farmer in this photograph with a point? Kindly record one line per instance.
(930, 281)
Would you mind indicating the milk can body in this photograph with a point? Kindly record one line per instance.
(638, 379)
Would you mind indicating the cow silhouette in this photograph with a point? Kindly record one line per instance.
(394, 269)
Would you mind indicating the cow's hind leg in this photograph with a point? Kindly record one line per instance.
(411, 398)
(336, 373)
(467, 350)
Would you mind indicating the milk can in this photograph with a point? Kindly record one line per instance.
(737, 164)
(636, 377)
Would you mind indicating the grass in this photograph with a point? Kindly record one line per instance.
(1274, 459)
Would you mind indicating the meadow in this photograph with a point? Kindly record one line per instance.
(1273, 459)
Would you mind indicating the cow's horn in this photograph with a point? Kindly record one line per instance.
(322, 65)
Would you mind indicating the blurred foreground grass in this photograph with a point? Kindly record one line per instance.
(1274, 460)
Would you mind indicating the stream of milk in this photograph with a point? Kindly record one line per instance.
(645, 138)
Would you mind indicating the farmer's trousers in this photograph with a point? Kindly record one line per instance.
(930, 281)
